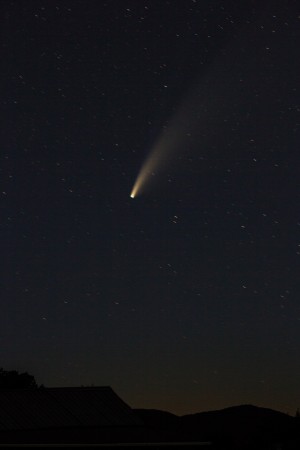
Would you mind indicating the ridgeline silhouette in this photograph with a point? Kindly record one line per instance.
(97, 414)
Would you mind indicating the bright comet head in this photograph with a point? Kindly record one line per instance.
(134, 190)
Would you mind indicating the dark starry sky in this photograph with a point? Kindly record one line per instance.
(185, 298)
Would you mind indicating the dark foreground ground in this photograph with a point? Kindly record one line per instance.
(244, 427)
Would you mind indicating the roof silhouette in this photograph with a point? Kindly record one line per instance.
(29, 409)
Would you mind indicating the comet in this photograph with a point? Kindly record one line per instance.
(147, 171)
(173, 140)
(182, 133)
(197, 122)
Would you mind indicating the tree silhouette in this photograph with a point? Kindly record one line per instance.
(11, 379)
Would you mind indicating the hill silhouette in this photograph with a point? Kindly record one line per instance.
(98, 414)
(236, 427)
(157, 418)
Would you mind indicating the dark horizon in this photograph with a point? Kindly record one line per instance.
(13, 380)
(186, 296)
(97, 416)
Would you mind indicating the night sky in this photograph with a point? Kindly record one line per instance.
(187, 297)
